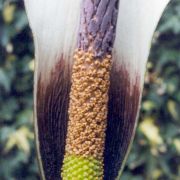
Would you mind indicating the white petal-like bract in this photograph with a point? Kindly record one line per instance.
(55, 27)
(136, 24)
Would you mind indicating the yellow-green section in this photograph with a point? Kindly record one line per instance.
(81, 168)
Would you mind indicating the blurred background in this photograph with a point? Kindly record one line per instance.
(155, 154)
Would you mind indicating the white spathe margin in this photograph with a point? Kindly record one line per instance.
(137, 21)
(54, 24)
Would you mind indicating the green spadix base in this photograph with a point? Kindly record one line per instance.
(82, 168)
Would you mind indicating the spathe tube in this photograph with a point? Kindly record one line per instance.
(137, 22)
(55, 27)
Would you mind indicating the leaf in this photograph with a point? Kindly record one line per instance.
(172, 109)
(148, 105)
(4, 81)
(19, 139)
(8, 13)
(151, 131)
(176, 143)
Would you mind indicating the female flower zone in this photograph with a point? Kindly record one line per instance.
(90, 65)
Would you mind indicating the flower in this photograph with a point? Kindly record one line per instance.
(90, 65)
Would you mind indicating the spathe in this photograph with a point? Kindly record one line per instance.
(136, 24)
(54, 25)
(55, 28)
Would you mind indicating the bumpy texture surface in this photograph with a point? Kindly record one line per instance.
(98, 26)
(88, 105)
(79, 168)
(88, 108)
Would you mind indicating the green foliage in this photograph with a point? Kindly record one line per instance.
(156, 151)
(17, 151)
